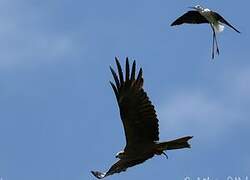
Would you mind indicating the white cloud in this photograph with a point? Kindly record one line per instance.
(209, 113)
(30, 35)
(21, 46)
(194, 112)
(239, 81)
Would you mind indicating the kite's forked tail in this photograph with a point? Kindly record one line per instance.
(174, 144)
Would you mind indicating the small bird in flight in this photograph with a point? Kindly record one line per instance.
(139, 121)
(204, 15)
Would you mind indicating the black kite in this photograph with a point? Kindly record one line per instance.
(139, 121)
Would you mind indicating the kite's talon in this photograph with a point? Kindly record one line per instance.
(165, 154)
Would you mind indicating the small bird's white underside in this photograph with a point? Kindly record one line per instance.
(218, 27)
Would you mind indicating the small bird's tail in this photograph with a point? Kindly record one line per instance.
(174, 144)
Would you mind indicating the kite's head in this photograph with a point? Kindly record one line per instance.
(120, 154)
(197, 7)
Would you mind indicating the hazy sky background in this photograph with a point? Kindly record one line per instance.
(58, 115)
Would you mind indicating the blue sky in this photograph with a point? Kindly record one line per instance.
(58, 115)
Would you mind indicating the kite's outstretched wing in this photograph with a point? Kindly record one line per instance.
(136, 110)
(190, 17)
(221, 19)
(118, 167)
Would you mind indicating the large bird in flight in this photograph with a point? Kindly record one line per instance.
(204, 15)
(139, 121)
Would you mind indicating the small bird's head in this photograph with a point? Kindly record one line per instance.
(120, 154)
(197, 7)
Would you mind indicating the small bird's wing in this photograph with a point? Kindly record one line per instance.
(118, 167)
(136, 110)
(190, 17)
(221, 19)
